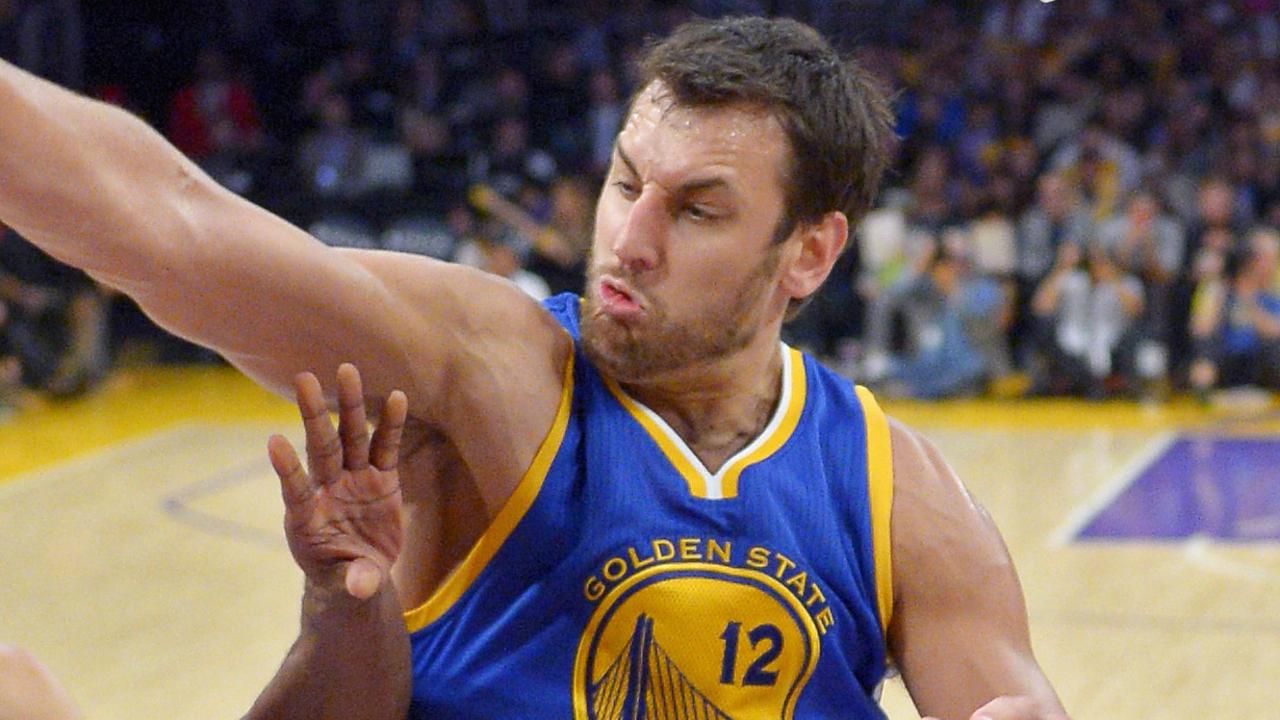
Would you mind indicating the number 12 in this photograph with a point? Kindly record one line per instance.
(758, 673)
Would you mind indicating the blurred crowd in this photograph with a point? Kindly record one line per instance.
(1085, 197)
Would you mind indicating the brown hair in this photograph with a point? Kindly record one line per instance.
(836, 117)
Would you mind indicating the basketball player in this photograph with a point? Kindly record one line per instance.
(639, 503)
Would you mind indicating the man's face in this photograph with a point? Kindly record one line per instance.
(684, 269)
(1215, 204)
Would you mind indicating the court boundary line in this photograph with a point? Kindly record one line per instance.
(179, 506)
(1107, 493)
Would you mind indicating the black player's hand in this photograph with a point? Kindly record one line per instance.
(342, 513)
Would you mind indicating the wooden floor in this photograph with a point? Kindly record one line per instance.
(141, 556)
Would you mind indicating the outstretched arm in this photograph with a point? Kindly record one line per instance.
(342, 520)
(959, 630)
(96, 188)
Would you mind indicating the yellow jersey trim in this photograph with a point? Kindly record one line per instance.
(723, 484)
(670, 444)
(776, 439)
(503, 523)
(880, 498)
(807, 624)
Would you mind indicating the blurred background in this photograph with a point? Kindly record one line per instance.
(1084, 200)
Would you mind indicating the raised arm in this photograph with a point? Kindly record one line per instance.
(959, 631)
(98, 189)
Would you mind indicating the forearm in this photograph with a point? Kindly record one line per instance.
(350, 661)
(85, 181)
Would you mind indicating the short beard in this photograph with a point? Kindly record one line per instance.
(661, 345)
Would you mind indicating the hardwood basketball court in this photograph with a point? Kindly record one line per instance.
(142, 559)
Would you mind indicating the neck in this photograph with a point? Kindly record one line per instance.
(719, 407)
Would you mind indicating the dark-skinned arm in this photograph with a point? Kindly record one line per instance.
(342, 520)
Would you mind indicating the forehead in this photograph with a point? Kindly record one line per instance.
(671, 141)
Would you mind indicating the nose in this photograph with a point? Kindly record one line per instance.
(638, 243)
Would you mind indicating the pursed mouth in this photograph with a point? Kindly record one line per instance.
(618, 299)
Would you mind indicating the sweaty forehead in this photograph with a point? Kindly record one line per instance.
(676, 138)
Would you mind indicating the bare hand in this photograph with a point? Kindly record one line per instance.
(342, 514)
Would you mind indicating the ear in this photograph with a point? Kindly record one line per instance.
(816, 248)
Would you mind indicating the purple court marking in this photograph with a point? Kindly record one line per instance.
(178, 505)
(1221, 488)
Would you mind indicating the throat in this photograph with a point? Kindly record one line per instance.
(714, 433)
(716, 416)
(714, 455)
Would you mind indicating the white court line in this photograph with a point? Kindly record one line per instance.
(1199, 552)
(1110, 490)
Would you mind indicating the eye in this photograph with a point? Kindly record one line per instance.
(699, 212)
(628, 189)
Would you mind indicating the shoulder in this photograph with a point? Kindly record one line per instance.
(940, 534)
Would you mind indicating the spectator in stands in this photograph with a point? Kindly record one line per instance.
(557, 246)
(408, 37)
(605, 111)
(332, 157)
(1236, 320)
(509, 162)
(1057, 218)
(560, 257)
(214, 121)
(501, 256)
(423, 85)
(933, 201)
(491, 244)
(438, 166)
(955, 323)
(1087, 316)
(1148, 244)
(1103, 167)
(55, 320)
(215, 112)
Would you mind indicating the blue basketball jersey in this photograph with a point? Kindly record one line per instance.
(624, 580)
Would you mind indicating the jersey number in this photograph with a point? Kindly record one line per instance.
(758, 673)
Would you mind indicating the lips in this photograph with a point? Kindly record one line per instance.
(617, 301)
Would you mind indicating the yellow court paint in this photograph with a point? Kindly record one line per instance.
(132, 404)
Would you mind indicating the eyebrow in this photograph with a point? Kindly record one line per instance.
(688, 187)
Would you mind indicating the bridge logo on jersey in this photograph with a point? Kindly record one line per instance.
(697, 640)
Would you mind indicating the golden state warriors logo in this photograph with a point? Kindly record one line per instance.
(687, 628)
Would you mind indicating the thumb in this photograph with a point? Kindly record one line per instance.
(364, 577)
